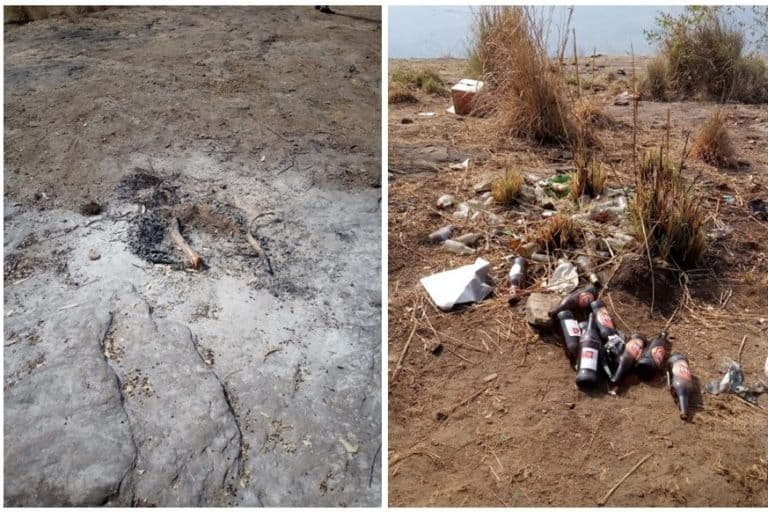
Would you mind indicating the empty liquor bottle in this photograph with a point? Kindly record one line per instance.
(603, 319)
(589, 356)
(584, 264)
(516, 278)
(632, 351)
(652, 359)
(576, 302)
(681, 382)
(571, 335)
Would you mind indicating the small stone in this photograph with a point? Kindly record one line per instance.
(669, 443)
(93, 254)
(570, 405)
(446, 201)
(622, 99)
(483, 186)
(489, 378)
(537, 309)
(406, 120)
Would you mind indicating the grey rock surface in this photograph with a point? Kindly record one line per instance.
(119, 408)
(537, 308)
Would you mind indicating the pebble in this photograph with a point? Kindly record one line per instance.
(93, 254)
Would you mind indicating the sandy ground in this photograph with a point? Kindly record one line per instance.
(529, 437)
(254, 381)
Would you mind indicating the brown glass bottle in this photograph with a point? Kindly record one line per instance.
(632, 352)
(652, 360)
(603, 319)
(571, 335)
(585, 265)
(589, 356)
(681, 382)
(516, 278)
(576, 302)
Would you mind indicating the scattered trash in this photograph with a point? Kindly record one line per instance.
(759, 208)
(446, 201)
(620, 241)
(610, 209)
(489, 378)
(470, 239)
(652, 360)
(93, 255)
(630, 355)
(733, 382)
(516, 278)
(463, 95)
(457, 248)
(451, 110)
(426, 114)
(720, 233)
(460, 166)
(680, 381)
(584, 264)
(729, 199)
(576, 302)
(590, 348)
(564, 279)
(469, 283)
(571, 332)
(537, 309)
(463, 212)
(442, 234)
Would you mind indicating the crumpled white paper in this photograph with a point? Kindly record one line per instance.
(468, 283)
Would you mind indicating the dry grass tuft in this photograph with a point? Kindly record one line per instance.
(558, 232)
(524, 88)
(400, 94)
(587, 111)
(506, 190)
(656, 81)
(706, 58)
(667, 214)
(426, 79)
(26, 14)
(589, 177)
(713, 143)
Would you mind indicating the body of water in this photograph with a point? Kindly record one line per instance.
(445, 31)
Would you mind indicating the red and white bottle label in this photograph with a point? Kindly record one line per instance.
(658, 353)
(572, 327)
(588, 359)
(605, 318)
(634, 347)
(585, 298)
(680, 369)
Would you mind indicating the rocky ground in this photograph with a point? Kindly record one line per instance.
(483, 410)
(131, 379)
